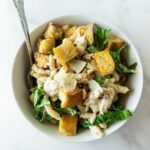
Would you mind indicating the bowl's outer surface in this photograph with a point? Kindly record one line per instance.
(21, 67)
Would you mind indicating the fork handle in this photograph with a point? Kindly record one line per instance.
(19, 4)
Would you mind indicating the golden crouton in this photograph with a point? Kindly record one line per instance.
(70, 31)
(89, 33)
(46, 45)
(115, 43)
(41, 60)
(86, 31)
(66, 27)
(65, 52)
(68, 125)
(53, 32)
(70, 99)
(105, 62)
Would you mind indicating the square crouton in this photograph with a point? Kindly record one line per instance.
(86, 31)
(41, 60)
(105, 62)
(70, 99)
(53, 32)
(66, 27)
(89, 33)
(68, 125)
(65, 52)
(115, 42)
(46, 45)
(70, 31)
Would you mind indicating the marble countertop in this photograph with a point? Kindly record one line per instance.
(131, 16)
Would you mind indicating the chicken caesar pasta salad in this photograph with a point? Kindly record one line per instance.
(80, 73)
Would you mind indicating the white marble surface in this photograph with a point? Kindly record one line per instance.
(132, 16)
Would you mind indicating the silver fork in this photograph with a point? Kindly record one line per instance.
(19, 4)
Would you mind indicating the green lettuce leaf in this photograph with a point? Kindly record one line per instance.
(108, 117)
(100, 37)
(52, 52)
(39, 102)
(71, 111)
(38, 96)
(92, 49)
(56, 106)
(116, 106)
(43, 116)
(99, 79)
(121, 68)
(84, 123)
(44, 101)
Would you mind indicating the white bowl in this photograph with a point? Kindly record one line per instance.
(21, 67)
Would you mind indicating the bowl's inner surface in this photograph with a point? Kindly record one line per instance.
(21, 67)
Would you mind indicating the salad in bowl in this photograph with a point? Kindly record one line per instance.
(80, 73)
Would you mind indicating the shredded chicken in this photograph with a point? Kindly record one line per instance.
(81, 108)
(81, 78)
(96, 131)
(84, 93)
(41, 81)
(103, 125)
(116, 76)
(91, 117)
(119, 88)
(106, 102)
(90, 68)
(81, 43)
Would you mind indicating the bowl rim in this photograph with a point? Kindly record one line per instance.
(80, 16)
